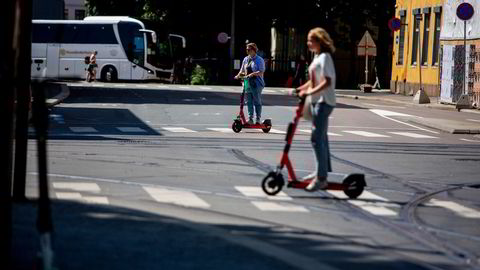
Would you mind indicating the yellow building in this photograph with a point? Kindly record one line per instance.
(417, 41)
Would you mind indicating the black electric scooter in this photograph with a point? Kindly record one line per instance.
(240, 122)
(352, 184)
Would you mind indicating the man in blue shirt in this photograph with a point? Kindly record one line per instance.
(253, 68)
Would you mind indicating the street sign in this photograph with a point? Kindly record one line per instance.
(222, 37)
(394, 24)
(366, 46)
(465, 11)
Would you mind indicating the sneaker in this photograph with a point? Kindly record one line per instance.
(317, 184)
(309, 177)
(250, 121)
(258, 121)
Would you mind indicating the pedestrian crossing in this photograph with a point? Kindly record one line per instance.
(369, 201)
(165, 130)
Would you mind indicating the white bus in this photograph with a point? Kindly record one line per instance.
(126, 50)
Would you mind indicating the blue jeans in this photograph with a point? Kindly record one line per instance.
(254, 100)
(320, 113)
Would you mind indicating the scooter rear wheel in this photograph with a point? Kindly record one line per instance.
(237, 126)
(354, 185)
(273, 183)
(268, 125)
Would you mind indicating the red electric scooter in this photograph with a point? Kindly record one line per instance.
(352, 184)
(240, 122)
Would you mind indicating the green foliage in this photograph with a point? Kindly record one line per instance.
(199, 76)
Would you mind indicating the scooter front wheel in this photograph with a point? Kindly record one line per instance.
(237, 126)
(273, 183)
(354, 185)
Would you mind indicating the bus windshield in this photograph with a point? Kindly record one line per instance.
(159, 53)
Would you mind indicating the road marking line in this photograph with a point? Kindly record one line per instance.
(364, 201)
(96, 199)
(414, 135)
(474, 120)
(269, 91)
(224, 130)
(184, 87)
(77, 186)
(458, 209)
(178, 129)
(277, 207)
(68, 195)
(276, 131)
(387, 106)
(257, 192)
(204, 88)
(385, 114)
(178, 197)
(83, 129)
(467, 140)
(366, 133)
(329, 133)
(131, 129)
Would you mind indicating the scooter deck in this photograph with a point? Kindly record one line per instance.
(304, 184)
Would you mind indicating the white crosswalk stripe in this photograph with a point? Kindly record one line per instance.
(276, 131)
(457, 208)
(328, 133)
(414, 135)
(131, 129)
(257, 192)
(61, 194)
(366, 134)
(370, 202)
(223, 130)
(179, 129)
(279, 207)
(178, 197)
(83, 129)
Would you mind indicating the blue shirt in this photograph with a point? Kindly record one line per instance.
(257, 65)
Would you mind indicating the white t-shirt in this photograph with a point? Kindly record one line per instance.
(322, 66)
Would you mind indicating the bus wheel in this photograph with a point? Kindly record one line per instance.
(109, 74)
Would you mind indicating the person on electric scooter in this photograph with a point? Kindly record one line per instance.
(253, 67)
(321, 87)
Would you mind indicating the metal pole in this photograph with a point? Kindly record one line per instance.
(232, 41)
(465, 55)
(366, 60)
(7, 101)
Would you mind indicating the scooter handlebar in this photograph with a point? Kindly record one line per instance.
(295, 92)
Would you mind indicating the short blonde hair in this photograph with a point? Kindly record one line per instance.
(252, 46)
(321, 36)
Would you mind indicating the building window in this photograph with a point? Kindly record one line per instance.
(65, 14)
(426, 35)
(436, 35)
(416, 34)
(79, 14)
(401, 39)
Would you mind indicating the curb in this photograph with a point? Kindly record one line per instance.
(64, 93)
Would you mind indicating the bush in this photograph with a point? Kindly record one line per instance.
(199, 76)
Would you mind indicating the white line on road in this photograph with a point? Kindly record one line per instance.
(178, 197)
(458, 209)
(468, 140)
(257, 192)
(278, 207)
(131, 129)
(369, 202)
(366, 134)
(385, 114)
(83, 129)
(178, 129)
(77, 186)
(386, 106)
(473, 120)
(223, 130)
(414, 135)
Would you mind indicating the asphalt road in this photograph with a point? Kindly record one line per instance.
(170, 150)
